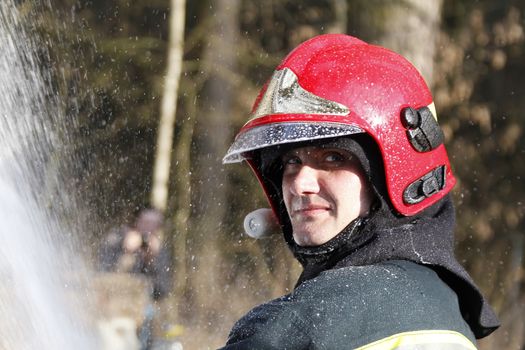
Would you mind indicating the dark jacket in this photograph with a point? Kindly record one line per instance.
(384, 282)
(391, 302)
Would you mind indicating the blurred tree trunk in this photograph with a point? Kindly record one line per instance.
(180, 200)
(210, 190)
(159, 193)
(163, 154)
(340, 23)
(409, 27)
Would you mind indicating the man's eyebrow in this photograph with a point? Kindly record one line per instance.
(291, 152)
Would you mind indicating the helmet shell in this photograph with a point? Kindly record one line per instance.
(336, 85)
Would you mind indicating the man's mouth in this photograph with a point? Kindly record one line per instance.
(311, 209)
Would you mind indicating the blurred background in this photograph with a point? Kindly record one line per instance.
(134, 73)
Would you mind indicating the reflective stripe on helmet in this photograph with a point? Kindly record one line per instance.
(272, 134)
(422, 340)
(285, 95)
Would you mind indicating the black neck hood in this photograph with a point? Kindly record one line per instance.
(426, 239)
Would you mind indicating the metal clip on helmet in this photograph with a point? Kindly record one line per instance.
(336, 85)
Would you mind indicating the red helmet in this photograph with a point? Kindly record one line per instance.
(336, 85)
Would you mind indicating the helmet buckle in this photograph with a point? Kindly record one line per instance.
(429, 186)
(426, 186)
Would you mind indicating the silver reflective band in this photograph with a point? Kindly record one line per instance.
(285, 95)
(281, 133)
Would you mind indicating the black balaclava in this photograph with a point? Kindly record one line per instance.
(426, 238)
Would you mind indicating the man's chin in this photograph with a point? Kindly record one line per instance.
(309, 238)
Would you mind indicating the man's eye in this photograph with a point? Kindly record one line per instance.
(291, 160)
(334, 157)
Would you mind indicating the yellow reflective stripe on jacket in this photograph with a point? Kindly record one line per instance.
(422, 340)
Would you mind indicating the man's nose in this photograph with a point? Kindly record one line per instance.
(306, 181)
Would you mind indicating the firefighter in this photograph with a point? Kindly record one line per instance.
(345, 142)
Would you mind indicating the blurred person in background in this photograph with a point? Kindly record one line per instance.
(139, 249)
(345, 142)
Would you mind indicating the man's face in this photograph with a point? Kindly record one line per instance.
(324, 190)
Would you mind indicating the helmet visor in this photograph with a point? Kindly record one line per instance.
(280, 133)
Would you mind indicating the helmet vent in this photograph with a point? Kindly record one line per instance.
(423, 131)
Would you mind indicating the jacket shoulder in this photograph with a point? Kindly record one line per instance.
(383, 299)
(353, 306)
